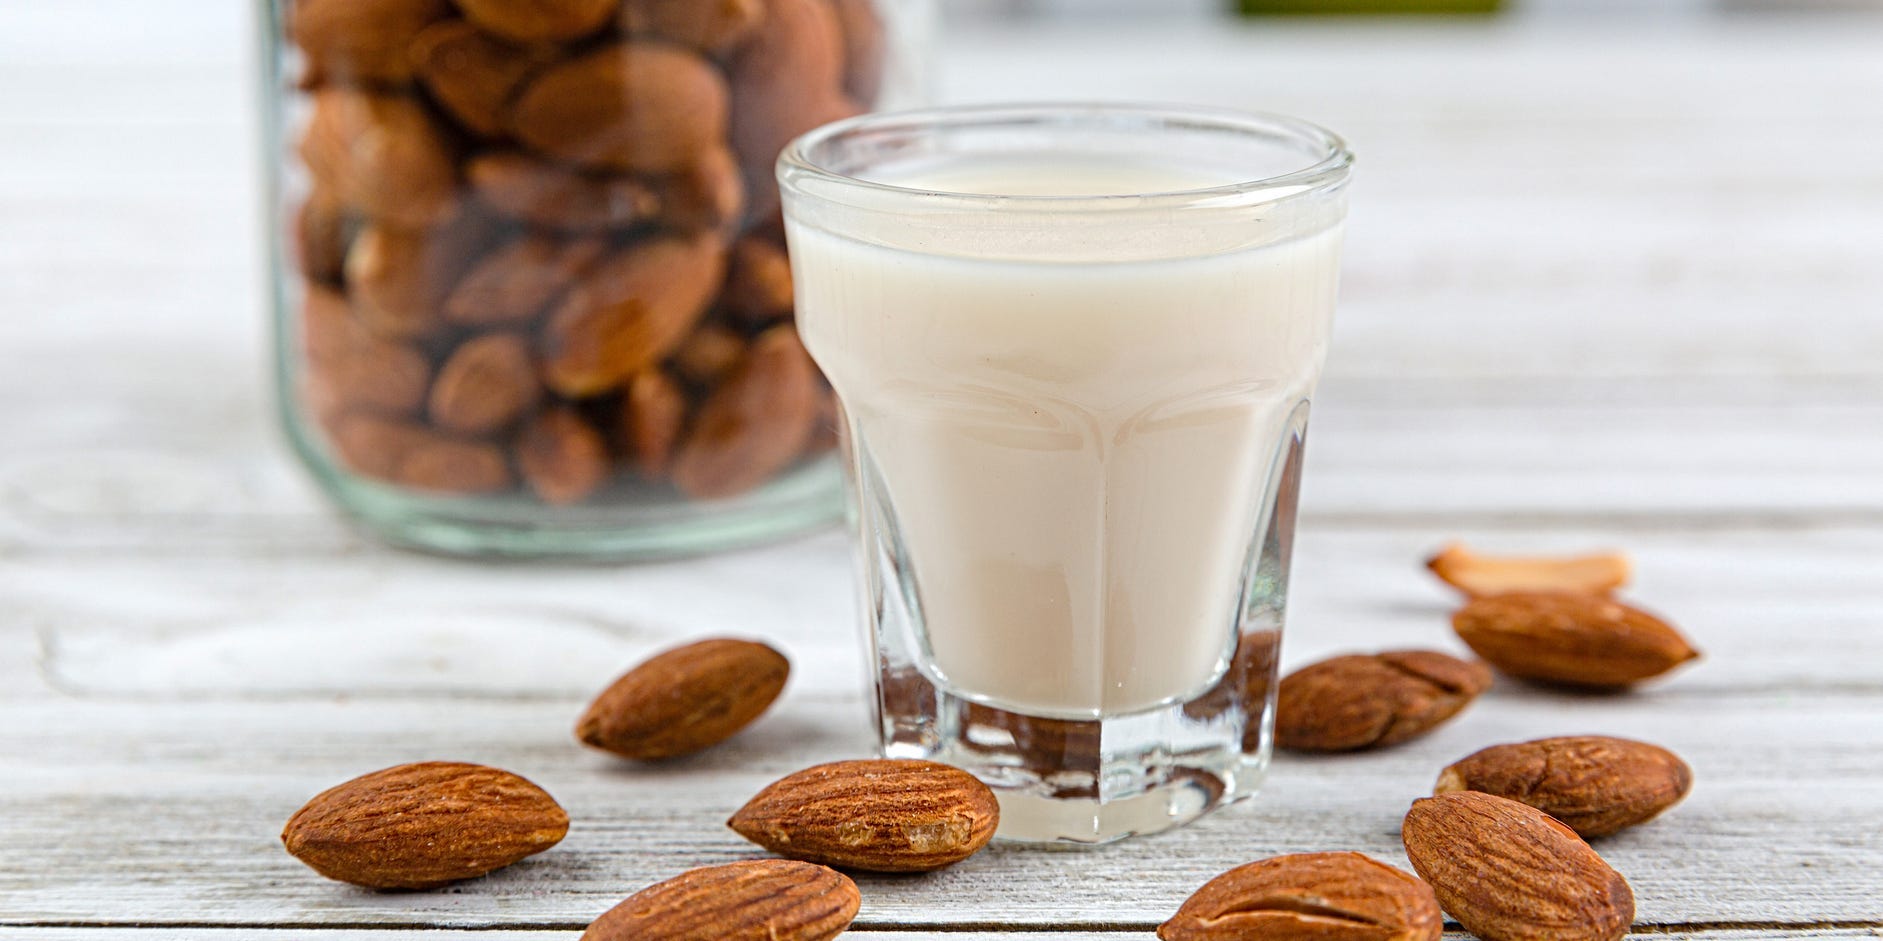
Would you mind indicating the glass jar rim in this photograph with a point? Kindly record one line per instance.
(1328, 167)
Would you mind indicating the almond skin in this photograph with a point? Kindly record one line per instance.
(1324, 896)
(1571, 639)
(881, 815)
(633, 107)
(1481, 576)
(423, 825)
(685, 699)
(756, 900)
(1595, 784)
(1373, 700)
(1509, 872)
(755, 424)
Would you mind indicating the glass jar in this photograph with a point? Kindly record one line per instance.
(529, 278)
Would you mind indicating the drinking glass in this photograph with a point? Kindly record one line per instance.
(1074, 348)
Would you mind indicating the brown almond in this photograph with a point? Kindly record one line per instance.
(707, 195)
(881, 815)
(864, 49)
(785, 81)
(755, 900)
(323, 230)
(711, 26)
(1571, 639)
(539, 20)
(685, 699)
(636, 107)
(1324, 896)
(1373, 700)
(473, 75)
(562, 457)
(381, 156)
(758, 281)
(557, 197)
(350, 368)
(1595, 784)
(652, 414)
(372, 445)
(442, 464)
(360, 41)
(755, 424)
(396, 281)
(1481, 576)
(629, 312)
(515, 283)
(485, 385)
(709, 354)
(423, 825)
(1509, 872)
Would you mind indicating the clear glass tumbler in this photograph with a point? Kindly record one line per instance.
(1074, 348)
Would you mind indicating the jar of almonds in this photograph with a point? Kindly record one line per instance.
(531, 283)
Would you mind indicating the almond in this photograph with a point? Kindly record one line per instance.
(1481, 576)
(539, 20)
(709, 354)
(472, 75)
(485, 385)
(711, 26)
(373, 445)
(636, 106)
(758, 282)
(423, 825)
(359, 41)
(1509, 872)
(685, 699)
(1330, 896)
(323, 230)
(350, 368)
(882, 815)
(628, 313)
(1571, 639)
(557, 197)
(1373, 700)
(514, 284)
(446, 465)
(864, 49)
(706, 195)
(652, 413)
(1595, 784)
(381, 156)
(562, 457)
(787, 80)
(755, 424)
(757, 900)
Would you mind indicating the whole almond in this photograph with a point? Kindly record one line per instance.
(1510, 872)
(514, 284)
(758, 281)
(785, 81)
(323, 230)
(1595, 784)
(706, 195)
(552, 196)
(653, 411)
(1327, 896)
(423, 825)
(539, 20)
(709, 355)
(396, 281)
(372, 445)
(756, 900)
(359, 41)
(473, 75)
(485, 385)
(629, 312)
(637, 106)
(381, 156)
(881, 815)
(1481, 576)
(1373, 700)
(446, 465)
(1571, 639)
(685, 699)
(711, 26)
(562, 457)
(352, 369)
(755, 424)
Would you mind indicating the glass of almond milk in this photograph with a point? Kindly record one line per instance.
(1074, 347)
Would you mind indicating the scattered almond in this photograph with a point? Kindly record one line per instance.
(758, 900)
(423, 825)
(1481, 576)
(882, 815)
(1595, 784)
(1324, 896)
(685, 699)
(1509, 872)
(1373, 700)
(1571, 639)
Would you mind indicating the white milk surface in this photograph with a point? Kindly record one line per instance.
(1076, 453)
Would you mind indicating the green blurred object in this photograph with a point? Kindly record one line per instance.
(1365, 7)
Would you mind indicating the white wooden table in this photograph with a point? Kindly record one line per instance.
(1605, 287)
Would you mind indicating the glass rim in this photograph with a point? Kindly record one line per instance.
(1327, 172)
